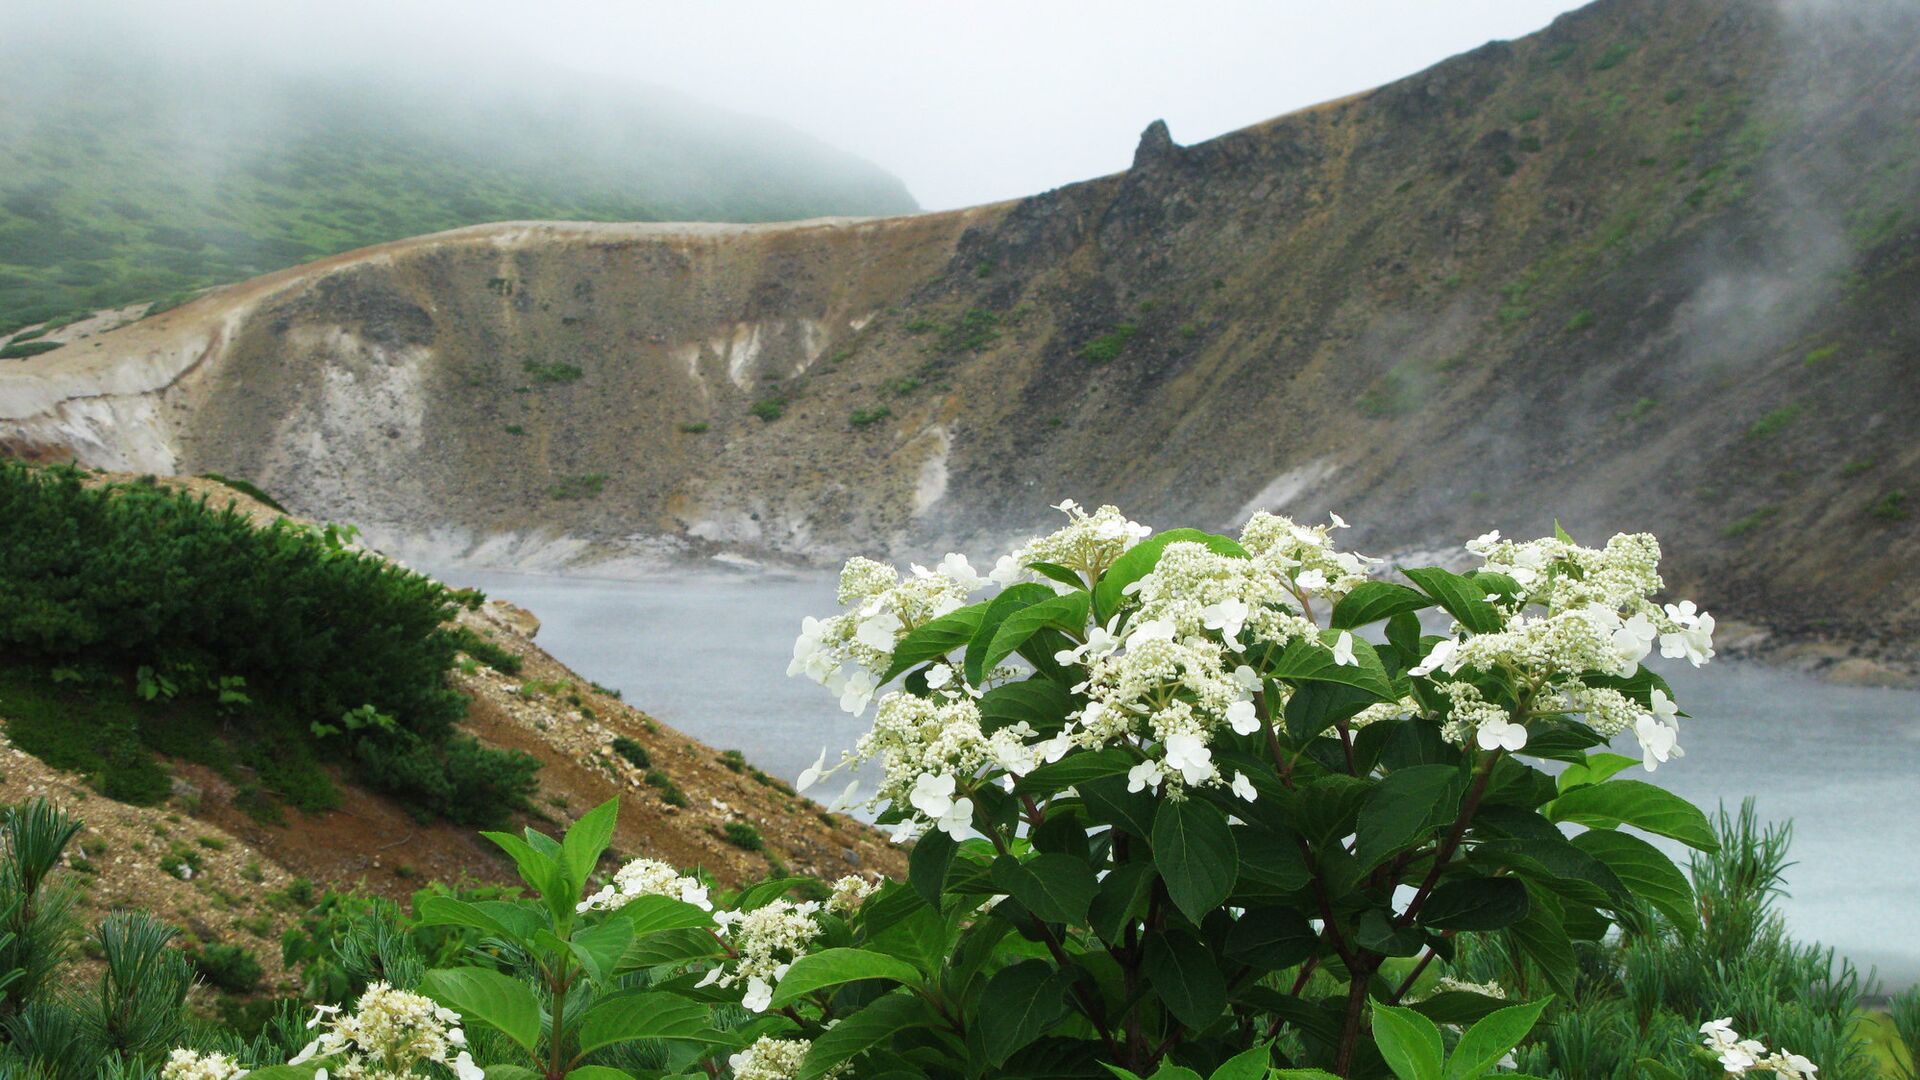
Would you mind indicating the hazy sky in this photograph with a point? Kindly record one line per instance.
(966, 102)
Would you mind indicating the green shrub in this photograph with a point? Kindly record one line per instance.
(1614, 55)
(229, 967)
(247, 489)
(581, 486)
(1816, 357)
(1773, 422)
(1750, 523)
(460, 779)
(921, 325)
(734, 760)
(697, 427)
(1856, 466)
(1580, 321)
(868, 417)
(551, 373)
(515, 429)
(632, 751)
(477, 646)
(904, 386)
(974, 331)
(1890, 507)
(769, 408)
(20, 350)
(1110, 345)
(743, 836)
(670, 792)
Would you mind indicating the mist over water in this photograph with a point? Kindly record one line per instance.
(708, 654)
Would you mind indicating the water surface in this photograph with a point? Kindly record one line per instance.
(708, 654)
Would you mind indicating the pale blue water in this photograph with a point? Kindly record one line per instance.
(708, 654)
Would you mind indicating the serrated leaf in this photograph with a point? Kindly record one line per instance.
(1475, 904)
(927, 864)
(1595, 769)
(1462, 599)
(1068, 613)
(1646, 872)
(1372, 601)
(1018, 1005)
(633, 1015)
(833, 967)
(1194, 850)
(1305, 660)
(1637, 803)
(1056, 888)
(488, 997)
(585, 841)
(861, 1030)
(1489, 1040)
(1139, 561)
(1402, 808)
(1039, 702)
(1011, 599)
(1076, 769)
(1186, 978)
(935, 640)
(1409, 1042)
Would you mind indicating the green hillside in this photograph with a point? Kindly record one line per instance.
(127, 183)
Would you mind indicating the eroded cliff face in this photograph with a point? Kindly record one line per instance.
(1656, 267)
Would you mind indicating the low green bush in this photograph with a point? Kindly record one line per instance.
(743, 836)
(634, 753)
(229, 967)
(20, 350)
(1110, 345)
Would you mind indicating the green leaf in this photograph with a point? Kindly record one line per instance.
(922, 938)
(1305, 660)
(670, 947)
(598, 1072)
(1271, 938)
(1487, 903)
(832, 967)
(862, 1030)
(1195, 853)
(1637, 803)
(1486, 1042)
(1461, 597)
(1139, 561)
(600, 947)
(581, 849)
(1372, 601)
(1068, 613)
(1018, 1005)
(447, 911)
(1645, 870)
(1409, 1042)
(927, 864)
(1317, 706)
(1011, 599)
(1183, 973)
(1056, 888)
(1076, 769)
(1542, 936)
(1123, 898)
(1653, 1070)
(493, 1072)
(1457, 1007)
(1402, 808)
(539, 870)
(631, 1015)
(1272, 858)
(936, 639)
(1058, 573)
(1108, 800)
(1304, 1074)
(1251, 1064)
(1596, 769)
(486, 996)
(654, 914)
(766, 892)
(1038, 701)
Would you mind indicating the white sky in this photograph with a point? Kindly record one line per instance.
(966, 102)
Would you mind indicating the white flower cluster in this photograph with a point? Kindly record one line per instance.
(389, 1034)
(1088, 545)
(1743, 1056)
(184, 1064)
(1304, 555)
(885, 608)
(776, 1059)
(647, 877)
(765, 942)
(1598, 618)
(849, 893)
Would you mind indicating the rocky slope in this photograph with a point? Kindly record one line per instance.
(1655, 267)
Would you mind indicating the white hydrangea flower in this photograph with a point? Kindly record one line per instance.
(389, 1034)
(1740, 1057)
(184, 1064)
(647, 877)
(770, 1058)
(765, 942)
(849, 893)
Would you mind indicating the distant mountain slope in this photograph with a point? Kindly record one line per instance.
(125, 180)
(1656, 267)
